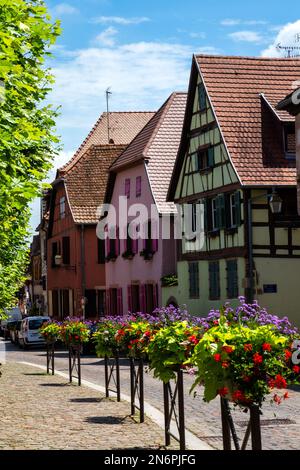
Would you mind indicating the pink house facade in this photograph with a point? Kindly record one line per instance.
(141, 175)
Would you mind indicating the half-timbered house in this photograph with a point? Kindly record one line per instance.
(237, 157)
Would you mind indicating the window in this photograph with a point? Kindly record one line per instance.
(113, 302)
(151, 242)
(129, 244)
(127, 188)
(134, 304)
(101, 308)
(151, 297)
(290, 141)
(101, 251)
(205, 158)
(66, 250)
(62, 208)
(54, 253)
(233, 210)
(214, 280)
(216, 218)
(202, 97)
(91, 304)
(232, 279)
(138, 186)
(214, 208)
(194, 280)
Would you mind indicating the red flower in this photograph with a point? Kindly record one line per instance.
(227, 349)
(129, 346)
(257, 358)
(76, 337)
(246, 378)
(280, 381)
(217, 357)
(238, 395)
(225, 364)
(248, 347)
(287, 355)
(277, 399)
(296, 369)
(216, 322)
(193, 339)
(266, 347)
(286, 396)
(223, 391)
(147, 333)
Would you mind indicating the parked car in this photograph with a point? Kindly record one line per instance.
(29, 334)
(14, 331)
(13, 315)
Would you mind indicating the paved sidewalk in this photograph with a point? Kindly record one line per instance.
(42, 412)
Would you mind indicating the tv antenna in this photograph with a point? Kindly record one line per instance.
(290, 50)
(108, 93)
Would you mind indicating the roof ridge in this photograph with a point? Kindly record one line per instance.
(247, 57)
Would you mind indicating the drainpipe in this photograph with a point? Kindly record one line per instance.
(83, 278)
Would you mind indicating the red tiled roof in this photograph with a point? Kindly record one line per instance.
(235, 86)
(158, 144)
(85, 176)
(123, 127)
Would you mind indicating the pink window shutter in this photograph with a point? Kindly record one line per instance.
(107, 243)
(120, 301)
(138, 186)
(143, 298)
(155, 295)
(117, 243)
(108, 302)
(129, 298)
(127, 187)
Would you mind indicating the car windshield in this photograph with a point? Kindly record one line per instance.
(36, 324)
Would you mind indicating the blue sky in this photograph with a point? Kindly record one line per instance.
(143, 51)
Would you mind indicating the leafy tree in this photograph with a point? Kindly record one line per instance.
(27, 126)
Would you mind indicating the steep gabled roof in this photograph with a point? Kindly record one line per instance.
(157, 145)
(123, 127)
(238, 89)
(85, 175)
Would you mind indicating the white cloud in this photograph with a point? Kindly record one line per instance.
(65, 9)
(200, 35)
(107, 37)
(120, 20)
(246, 36)
(235, 22)
(285, 37)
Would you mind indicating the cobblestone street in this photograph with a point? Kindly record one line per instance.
(280, 424)
(43, 412)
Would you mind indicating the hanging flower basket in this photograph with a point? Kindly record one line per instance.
(244, 364)
(50, 332)
(74, 333)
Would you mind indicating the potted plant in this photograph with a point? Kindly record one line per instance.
(147, 254)
(105, 338)
(244, 364)
(50, 332)
(171, 348)
(128, 254)
(74, 333)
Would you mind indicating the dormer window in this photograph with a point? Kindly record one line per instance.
(289, 141)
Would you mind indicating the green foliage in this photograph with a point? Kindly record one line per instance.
(243, 364)
(26, 129)
(74, 332)
(170, 280)
(105, 338)
(171, 348)
(51, 332)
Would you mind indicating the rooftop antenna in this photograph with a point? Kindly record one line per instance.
(290, 50)
(108, 93)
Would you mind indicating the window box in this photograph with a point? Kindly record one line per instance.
(111, 257)
(213, 233)
(169, 281)
(231, 230)
(128, 254)
(147, 254)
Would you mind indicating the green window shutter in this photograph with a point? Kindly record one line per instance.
(220, 201)
(210, 157)
(214, 280)
(232, 279)
(205, 215)
(227, 211)
(193, 280)
(237, 199)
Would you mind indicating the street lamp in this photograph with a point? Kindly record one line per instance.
(275, 203)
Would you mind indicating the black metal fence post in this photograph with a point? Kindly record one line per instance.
(132, 385)
(255, 428)
(225, 427)
(141, 382)
(137, 387)
(75, 362)
(181, 410)
(50, 357)
(112, 373)
(166, 413)
(174, 408)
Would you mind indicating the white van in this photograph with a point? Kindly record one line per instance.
(29, 333)
(13, 315)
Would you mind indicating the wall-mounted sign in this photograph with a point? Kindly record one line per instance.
(270, 288)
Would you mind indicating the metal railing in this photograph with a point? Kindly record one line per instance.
(137, 387)
(75, 362)
(174, 408)
(50, 357)
(112, 376)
